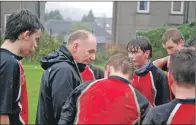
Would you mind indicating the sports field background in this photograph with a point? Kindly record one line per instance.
(33, 76)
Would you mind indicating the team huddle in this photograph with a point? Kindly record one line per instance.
(131, 89)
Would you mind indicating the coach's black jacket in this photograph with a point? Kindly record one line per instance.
(60, 78)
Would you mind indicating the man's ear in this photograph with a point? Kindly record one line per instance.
(24, 35)
(75, 46)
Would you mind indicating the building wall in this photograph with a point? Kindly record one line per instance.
(126, 19)
(7, 7)
(192, 11)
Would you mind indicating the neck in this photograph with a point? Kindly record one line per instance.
(184, 93)
(146, 61)
(120, 75)
(11, 46)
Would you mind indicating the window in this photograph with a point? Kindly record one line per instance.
(5, 19)
(143, 7)
(177, 7)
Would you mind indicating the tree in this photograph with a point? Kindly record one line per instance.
(54, 14)
(81, 26)
(83, 18)
(89, 18)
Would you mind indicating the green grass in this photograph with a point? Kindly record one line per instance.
(33, 77)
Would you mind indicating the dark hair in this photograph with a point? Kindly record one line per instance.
(139, 42)
(21, 21)
(173, 34)
(123, 63)
(182, 66)
(191, 42)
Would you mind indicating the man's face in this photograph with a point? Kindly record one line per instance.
(29, 43)
(85, 50)
(138, 56)
(172, 47)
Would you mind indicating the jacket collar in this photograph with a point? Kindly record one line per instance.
(145, 69)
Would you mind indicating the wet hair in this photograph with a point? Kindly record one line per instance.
(182, 66)
(122, 63)
(139, 42)
(21, 21)
(172, 34)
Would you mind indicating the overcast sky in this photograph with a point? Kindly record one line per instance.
(98, 7)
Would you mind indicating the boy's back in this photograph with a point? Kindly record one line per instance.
(179, 111)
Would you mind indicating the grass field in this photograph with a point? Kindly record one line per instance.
(33, 77)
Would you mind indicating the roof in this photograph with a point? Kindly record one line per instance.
(104, 20)
(97, 30)
(58, 26)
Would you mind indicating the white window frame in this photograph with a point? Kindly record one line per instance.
(143, 11)
(177, 12)
(5, 19)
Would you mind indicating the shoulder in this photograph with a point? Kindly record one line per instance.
(160, 114)
(62, 66)
(164, 109)
(8, 63)
(157, 71)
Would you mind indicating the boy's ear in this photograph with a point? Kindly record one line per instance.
(181, 41)
(24, 35)
(107, 71)
(170, 79)
(147, 53)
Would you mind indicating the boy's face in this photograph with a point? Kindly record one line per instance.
(172, 47)
(138, 56)
(29, 42)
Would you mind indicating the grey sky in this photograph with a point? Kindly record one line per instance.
(98, 7)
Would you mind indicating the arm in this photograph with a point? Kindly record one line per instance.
(69, 110)
(144, 105)
(163, 91)
(62, 81)
(9, 72)
(149, 119)
(4, 120)
(160, 63)
(158, 115)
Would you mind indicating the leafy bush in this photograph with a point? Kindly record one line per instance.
(155, 36)
(46, 45)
